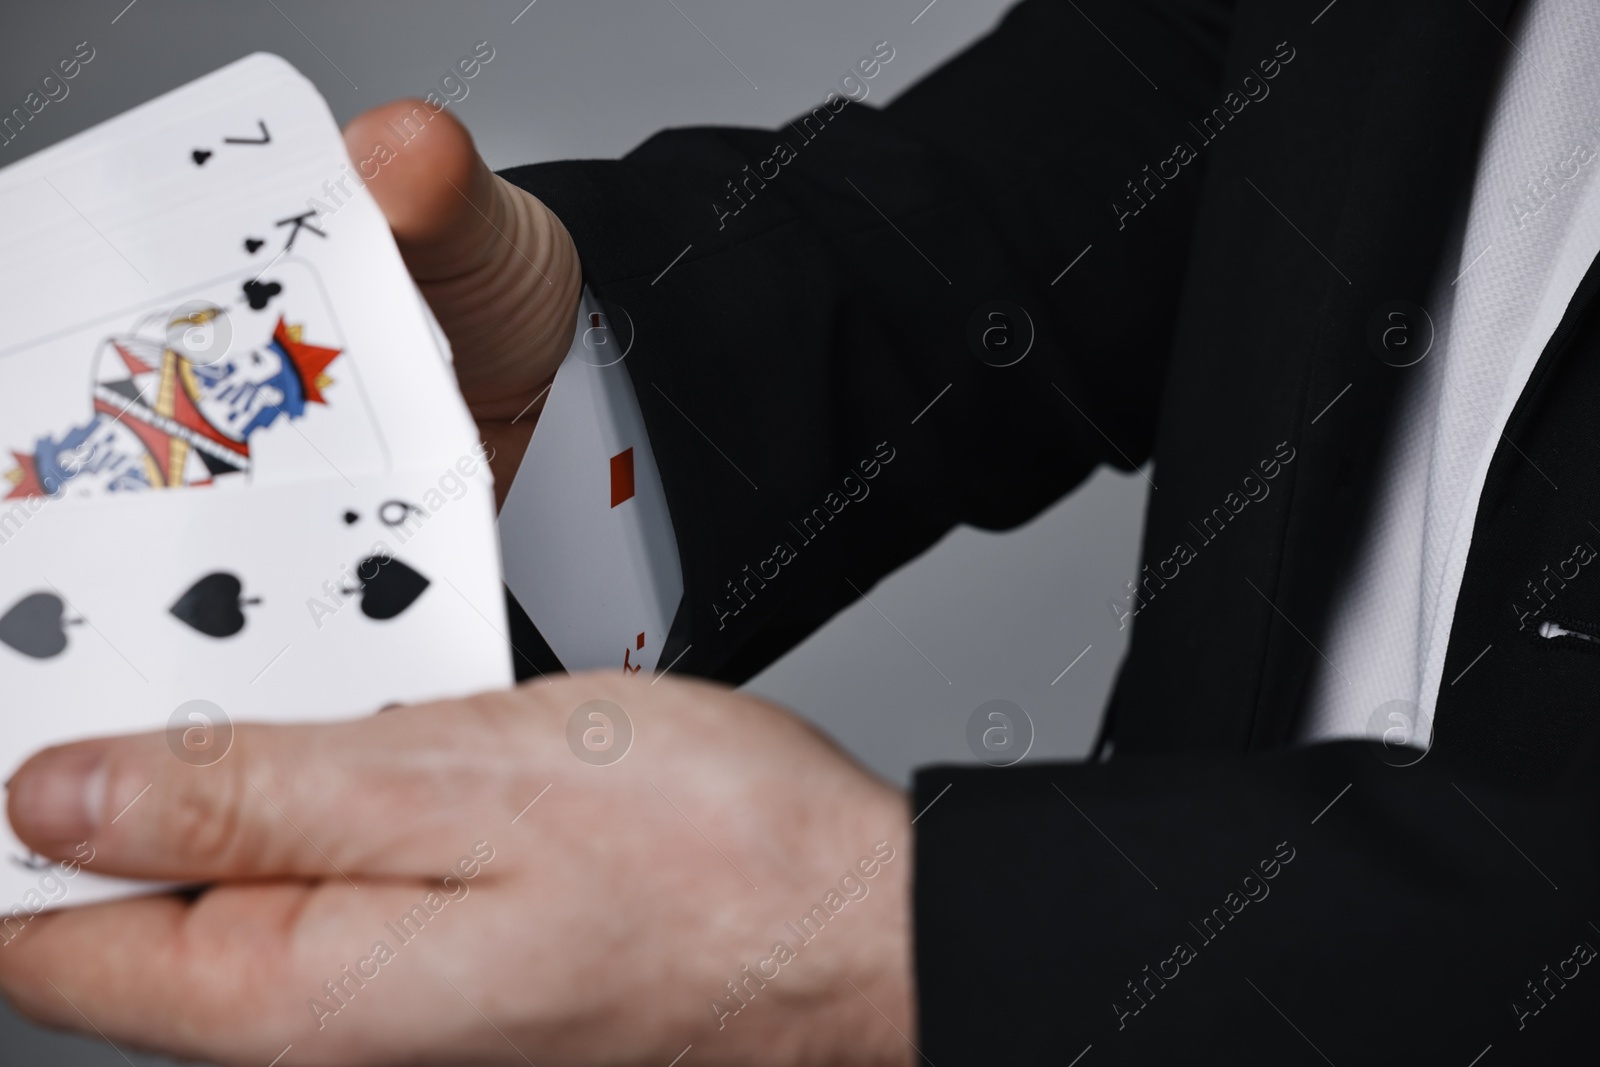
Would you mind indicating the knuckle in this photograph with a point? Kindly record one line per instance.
(202, 820)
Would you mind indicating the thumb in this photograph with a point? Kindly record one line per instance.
(346, 800)
(499, 270)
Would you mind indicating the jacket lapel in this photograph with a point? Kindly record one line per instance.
(1319, 213)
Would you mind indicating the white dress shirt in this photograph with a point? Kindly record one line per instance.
(1530, 231)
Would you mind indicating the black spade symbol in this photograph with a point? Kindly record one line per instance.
(388, 587)
(200, 155)
(253, 244)
(36, 626)
(260, 293)
(213, 605)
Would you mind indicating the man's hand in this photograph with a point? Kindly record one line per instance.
(452, 884)
(497, 267)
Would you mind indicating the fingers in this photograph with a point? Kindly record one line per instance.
(132, 972)
(225, 979)
(496, 266)
(390, 796)
(430, 187)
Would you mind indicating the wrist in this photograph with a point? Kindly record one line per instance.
(881, 979)
(858, 1007)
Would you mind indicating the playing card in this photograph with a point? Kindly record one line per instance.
(244, 380)
(246, 79)
(295, 602)
(253, 74)
(237, 480)
(143, 225)
(599, 575)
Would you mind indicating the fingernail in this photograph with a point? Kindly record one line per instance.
(59, 797)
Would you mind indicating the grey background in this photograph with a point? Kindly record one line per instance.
(978, 617)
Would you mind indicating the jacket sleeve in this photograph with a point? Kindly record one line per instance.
(1314, 906)
(818, 318)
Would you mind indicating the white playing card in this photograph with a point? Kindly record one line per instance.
(262, 394)
(247, 78)
(253, 74)
(141, 223)
(296, 602)
(234, 464)
(593, 561)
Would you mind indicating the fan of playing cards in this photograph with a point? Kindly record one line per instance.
(235, 470)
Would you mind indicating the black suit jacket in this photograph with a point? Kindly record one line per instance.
(1241, 194)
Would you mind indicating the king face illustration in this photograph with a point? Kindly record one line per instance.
(165, 417)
